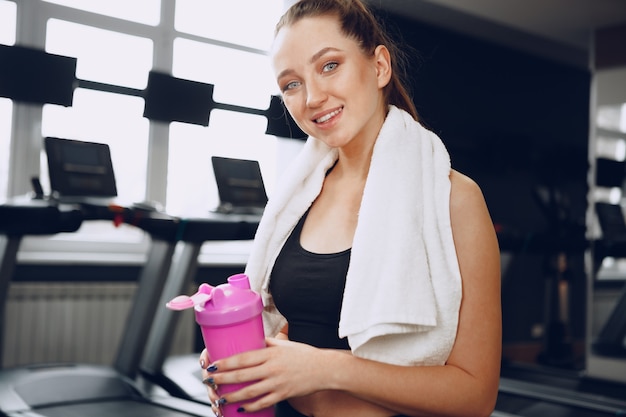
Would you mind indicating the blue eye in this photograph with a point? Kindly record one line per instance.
(330, 66)
(291, 85)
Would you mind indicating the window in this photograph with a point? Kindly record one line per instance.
(612, 117)
(140, 11)
(6, 107)
(8, 13)
(114, 119)
(610, 146)
(247, 23)
(229, 70)
(8, 16)
(190, 189)
(116, 44)
(103, 55)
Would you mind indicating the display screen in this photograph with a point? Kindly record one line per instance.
(81, 158)
(79, 168)
(239, 182)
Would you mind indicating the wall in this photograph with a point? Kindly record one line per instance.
(517, 124)
(68, 313)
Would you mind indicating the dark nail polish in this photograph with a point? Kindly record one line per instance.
(241, 410)
(211, 368)
(222, 401)
(208, 381)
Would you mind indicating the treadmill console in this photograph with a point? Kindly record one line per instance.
(80, 168)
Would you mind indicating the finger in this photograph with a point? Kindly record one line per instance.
(215, 401)
(240, 361)
(214, 397)
(204, 359)
(215, 407)
(205, 362)
(259, 403)
(259, 394)
(274, 341)
(210, 382)
(236, 376)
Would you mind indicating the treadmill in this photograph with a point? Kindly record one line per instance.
(84, 189)
(540, 391)
(31, 217)
(530, 392)
(181, 375)
(90, 390)
(242, 201)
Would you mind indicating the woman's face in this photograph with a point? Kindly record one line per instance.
(330, 87)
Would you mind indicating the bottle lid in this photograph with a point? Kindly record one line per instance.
(224, 304)
(183, 302)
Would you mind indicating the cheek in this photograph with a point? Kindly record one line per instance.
(291, 103)
(295, 109)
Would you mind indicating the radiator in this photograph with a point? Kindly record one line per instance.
(73, 323)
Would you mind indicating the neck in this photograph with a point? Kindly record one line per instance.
(354, 164)
(354, 159)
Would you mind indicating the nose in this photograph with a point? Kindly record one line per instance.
(315, 94)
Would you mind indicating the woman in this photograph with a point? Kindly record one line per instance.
(378, 263)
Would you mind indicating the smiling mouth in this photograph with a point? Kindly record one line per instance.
(328, 116)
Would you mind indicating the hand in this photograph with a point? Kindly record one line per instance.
(211, 386)
(282, 370)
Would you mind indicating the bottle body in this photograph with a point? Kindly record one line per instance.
(224, 341)
(231, 323)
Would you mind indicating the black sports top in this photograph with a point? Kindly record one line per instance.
(307, 289)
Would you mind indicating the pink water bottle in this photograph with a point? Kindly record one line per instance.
(230, 319)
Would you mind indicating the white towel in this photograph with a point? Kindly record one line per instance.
(403, 288)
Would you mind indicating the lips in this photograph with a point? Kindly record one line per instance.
(325, 118)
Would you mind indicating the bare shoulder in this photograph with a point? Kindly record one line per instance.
(464, 190)
(469, 215)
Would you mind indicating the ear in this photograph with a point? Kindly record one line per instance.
(382, 60)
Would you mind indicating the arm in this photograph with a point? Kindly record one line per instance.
(466, 385)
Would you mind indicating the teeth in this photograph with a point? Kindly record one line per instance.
(328, 116)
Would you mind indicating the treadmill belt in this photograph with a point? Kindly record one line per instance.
(108, 409)
(528, 407)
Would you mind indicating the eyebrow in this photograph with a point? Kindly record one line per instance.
(313, 58)
(321, 53)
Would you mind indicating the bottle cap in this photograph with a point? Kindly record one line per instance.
(224, 304)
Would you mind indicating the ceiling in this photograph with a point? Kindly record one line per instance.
(560, 29)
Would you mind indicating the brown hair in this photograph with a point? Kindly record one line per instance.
(359, 23)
